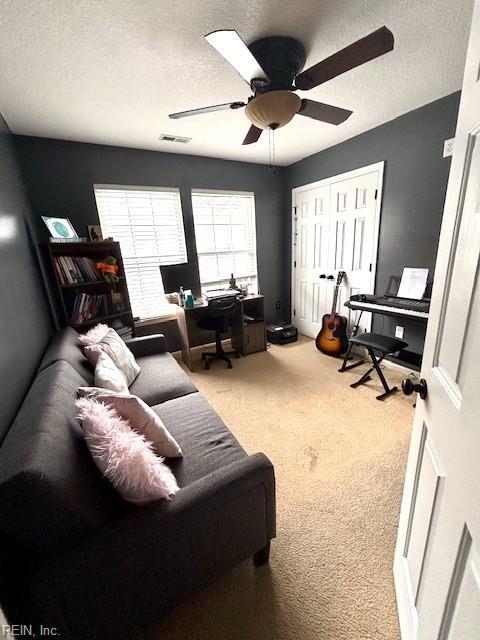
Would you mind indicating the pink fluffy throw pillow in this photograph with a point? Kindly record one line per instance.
(93, 336)
(123, 455)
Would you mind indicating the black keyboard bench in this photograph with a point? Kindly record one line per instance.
(384, 345)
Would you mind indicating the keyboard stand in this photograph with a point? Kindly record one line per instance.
(347, 355)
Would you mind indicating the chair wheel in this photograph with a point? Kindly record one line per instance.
(207, 366)
(229, 365)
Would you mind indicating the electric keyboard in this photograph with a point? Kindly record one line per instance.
(386, 305)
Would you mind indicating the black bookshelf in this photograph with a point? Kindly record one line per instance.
(85, 297)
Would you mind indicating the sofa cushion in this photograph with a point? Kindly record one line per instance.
(51, 492)
(65, 346)
(206, 442)
(160, 379)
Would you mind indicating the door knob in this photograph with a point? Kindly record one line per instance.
(408, 387)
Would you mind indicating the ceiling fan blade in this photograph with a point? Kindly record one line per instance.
(253, 135)
(216, 107)
(323, 112)
(368, 48)
(230, 45)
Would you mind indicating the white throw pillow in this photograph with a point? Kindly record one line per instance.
(141, 417)
(108, 376)
(113, 345)
(124, 456)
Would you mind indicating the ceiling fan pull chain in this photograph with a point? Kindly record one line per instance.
(273, 150)
(270, 149)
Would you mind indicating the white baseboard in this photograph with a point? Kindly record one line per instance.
(362, 353)
(208, 345)
(401, 367)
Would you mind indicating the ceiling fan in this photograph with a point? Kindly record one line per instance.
(272, 67)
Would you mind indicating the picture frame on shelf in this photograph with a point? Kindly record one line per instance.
(60, 228)
(94, 232)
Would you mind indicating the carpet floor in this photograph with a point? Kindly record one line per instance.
(339, 458)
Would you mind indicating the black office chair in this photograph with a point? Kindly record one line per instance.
(218, 318)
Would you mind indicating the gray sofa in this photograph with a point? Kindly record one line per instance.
(75, 556)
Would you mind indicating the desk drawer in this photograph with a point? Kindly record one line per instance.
(254, 337)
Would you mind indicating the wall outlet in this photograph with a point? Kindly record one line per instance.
(399, 332)
(448, 147)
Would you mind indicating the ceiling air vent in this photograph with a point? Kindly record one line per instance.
(167, 137)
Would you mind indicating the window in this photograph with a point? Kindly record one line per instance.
(225, 235)
(148, 223)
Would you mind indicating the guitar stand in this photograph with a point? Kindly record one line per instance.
(347, 355)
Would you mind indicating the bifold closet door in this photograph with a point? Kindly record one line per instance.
(311, 259)
(335, 229)
(352, 238)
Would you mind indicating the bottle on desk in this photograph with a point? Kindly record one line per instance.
(181, 297)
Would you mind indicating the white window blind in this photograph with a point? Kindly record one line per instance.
(225, 236)
(148, 223)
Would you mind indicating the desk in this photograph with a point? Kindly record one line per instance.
(246, 338)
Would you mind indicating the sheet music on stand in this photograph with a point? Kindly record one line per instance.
(413, 283)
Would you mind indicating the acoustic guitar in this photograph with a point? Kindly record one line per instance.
(332, 339)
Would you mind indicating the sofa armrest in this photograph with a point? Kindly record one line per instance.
(215, 490)
(147, 345)
(191, 502)
(157, 554)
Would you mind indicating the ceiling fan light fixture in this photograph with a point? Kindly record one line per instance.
(272, 109)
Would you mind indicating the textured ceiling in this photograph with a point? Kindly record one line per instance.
(109, 71)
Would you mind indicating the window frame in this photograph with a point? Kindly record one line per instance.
(169, 313)
(228, 192)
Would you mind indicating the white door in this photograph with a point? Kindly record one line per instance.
(311, 259)
(353, 238)
(437, 560)
(335, 228)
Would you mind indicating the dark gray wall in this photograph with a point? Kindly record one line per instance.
(415, 182)
(25, 320)
(60, 177)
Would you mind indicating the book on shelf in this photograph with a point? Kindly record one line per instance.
(117, 301)
(124, 331)
(87, 307)
(76, 270)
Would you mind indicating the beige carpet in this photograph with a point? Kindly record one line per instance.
(339, 458)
